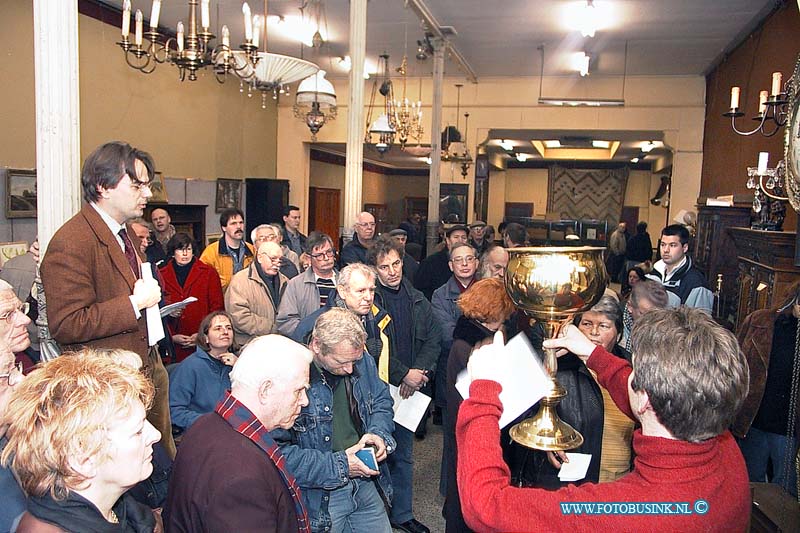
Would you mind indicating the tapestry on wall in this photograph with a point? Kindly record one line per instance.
(577, 194)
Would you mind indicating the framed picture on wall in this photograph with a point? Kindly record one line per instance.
(158, 189)
(229, 195)
(453, 203)
(20, 193)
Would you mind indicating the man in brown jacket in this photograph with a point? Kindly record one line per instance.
(92, 270)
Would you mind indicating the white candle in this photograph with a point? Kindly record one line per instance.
(776, 83)
(763, 159)
(256, 29)
(735, 97)
(762, 102)
(180, 37)
(154, 14)
(126, 18)
(248, 23)
(226, 37)
(139, 22)
(205, 16)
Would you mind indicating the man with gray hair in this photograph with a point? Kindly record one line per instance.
(493, 262)
(220, 480)
(355, 251)
(349, 409)
(254, 294)
(290, 263)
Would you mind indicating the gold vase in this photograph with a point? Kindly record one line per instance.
(551, 284)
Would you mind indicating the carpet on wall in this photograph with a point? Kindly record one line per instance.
(582, 193)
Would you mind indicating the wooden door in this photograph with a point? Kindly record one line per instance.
(323, 212)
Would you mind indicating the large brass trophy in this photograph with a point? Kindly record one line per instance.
(550, 285)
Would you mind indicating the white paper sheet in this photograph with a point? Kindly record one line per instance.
(524, 380)
(576, 468)
(155, 328)
(167, 309)
(409, 411)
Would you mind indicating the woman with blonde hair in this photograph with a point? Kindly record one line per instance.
(78, 439)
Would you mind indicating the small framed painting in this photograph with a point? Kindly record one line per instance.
(229, 195)
(20, 193)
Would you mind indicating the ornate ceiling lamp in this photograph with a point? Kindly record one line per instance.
(192, 49)
(454, 149)
(383, 126)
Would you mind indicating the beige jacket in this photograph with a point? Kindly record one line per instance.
(250, 305)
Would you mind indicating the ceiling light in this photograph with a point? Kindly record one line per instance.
(601, 144)
(508, 146)
(522, 157)
(581, 63)
(648, 146)
(635, 160)
(587, 19)
(429, 160)
(552, 144)
(574, 102)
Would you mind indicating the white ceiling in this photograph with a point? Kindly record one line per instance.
(663, 37)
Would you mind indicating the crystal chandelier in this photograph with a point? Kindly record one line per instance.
(193, 48)
(383, 127)
(407, 118)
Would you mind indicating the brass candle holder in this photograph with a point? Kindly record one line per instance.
(551, 284)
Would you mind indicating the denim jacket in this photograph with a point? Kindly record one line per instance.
(307, 446)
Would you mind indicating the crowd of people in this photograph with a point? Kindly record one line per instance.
(277, 393)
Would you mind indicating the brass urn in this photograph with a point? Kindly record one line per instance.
(552, 284)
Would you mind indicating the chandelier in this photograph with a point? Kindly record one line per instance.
(454, 148)
(407, 118)
(315, 102)
(383, 126)
(193, 48)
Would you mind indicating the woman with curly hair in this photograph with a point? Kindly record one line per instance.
(485, 307)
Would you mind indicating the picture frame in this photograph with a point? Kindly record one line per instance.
(158, 189)
(229, 195)
(20, 193)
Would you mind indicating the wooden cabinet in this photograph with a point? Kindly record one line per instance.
(186, 218)
(714, 253)
(766, 268)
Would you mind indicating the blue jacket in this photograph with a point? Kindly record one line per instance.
(195, 386)
(307, 446)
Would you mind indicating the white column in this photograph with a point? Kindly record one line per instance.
(55, 38)
(436, 144)
(355, 117)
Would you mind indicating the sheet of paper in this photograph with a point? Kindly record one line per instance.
(155, 328)
(409, 411)
(167, 309)
(576, 468)
(524, 380)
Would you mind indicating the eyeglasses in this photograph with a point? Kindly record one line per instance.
(463, 260)
(324, 255)
(23, 308)
(13, 375)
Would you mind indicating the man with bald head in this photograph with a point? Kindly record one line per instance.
(162, 227)
(355, 251)
(222, 482)
(254, 294)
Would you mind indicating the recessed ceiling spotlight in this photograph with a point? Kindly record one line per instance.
(508, 146)
(552, 144)
(635, 160)
(601, 144)
(648, 146)
(522, 157)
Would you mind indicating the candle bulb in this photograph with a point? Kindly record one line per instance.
(762, 102)
(256, 29)
(205, 16)
(180, 37)
(248, 23)
(126, 18)
(154, 14)
(735, 97)
(776, 83)
(226, 37)
(763, 159)
(139, 23)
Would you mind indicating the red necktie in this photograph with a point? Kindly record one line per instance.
(130, 254)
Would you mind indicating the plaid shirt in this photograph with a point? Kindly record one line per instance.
(243, 421)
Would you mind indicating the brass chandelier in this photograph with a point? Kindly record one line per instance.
(193, 48)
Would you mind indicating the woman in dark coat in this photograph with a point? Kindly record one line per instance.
(485, 306)
(185, 275)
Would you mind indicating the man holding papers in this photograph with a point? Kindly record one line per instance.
(417, 342)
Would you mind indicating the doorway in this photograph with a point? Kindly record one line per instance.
(323, 212)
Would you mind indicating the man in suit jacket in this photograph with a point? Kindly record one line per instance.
(92, 270)
(230, 474)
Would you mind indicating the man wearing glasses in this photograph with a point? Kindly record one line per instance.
(92, 270)
(355, 251)
(309, 291)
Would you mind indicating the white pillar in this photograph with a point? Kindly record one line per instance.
(55, 38)
(353, 176)
(436, 144)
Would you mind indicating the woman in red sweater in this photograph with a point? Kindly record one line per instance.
(185, 275)
(688, 380)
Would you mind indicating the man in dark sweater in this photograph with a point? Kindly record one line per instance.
(355, 251)
(417, 349)
(434, 271)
